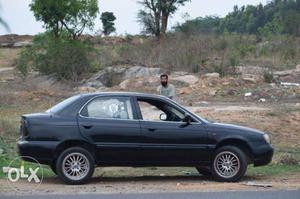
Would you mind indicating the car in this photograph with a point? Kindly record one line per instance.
(137, 130)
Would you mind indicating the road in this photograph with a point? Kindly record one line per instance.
(202, 195)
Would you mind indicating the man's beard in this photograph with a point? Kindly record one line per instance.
(164, 84)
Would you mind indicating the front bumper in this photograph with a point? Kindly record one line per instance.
(262, 154)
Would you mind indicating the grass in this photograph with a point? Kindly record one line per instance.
(268, 170)
(6, 161)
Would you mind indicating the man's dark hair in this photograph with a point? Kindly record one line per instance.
(164, 75)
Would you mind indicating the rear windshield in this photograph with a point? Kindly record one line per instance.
(60, 106)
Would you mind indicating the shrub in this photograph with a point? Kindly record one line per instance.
(65, 58)
(268, 77)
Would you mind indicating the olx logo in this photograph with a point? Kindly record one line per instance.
(31, 173)
(14, 174)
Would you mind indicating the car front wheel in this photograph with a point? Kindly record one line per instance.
(75, 165)
(229, 164)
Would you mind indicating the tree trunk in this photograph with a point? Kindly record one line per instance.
(164, 17)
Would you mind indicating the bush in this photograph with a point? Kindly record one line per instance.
(286, 159)
(268, 77)
(65, 58)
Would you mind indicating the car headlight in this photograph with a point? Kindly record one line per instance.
(267, 138)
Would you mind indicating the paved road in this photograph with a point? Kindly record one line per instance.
(208, 195)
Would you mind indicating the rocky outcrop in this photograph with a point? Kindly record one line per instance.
(115, 75)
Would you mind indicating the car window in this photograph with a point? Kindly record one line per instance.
(109, 108)
(60, 106)
(151, 111)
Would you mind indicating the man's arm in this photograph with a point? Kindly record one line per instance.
(172, 92)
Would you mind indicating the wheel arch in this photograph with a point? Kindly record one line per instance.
(74, 143)
(239, 143)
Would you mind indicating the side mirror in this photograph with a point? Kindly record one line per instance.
(163, 117)
(187, 119)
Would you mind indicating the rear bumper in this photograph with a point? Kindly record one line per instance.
(43, 151)
(262, 155)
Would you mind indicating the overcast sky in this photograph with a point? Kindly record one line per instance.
(21, 20)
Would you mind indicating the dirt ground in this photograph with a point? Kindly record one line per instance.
(152, 184)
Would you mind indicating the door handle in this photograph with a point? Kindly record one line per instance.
(151, 129)
(87, 126)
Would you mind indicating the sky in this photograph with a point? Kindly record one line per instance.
(20, 19)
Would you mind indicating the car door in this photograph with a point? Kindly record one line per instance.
(110, 122)
(170, 141)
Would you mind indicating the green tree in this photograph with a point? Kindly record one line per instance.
(65, 58)
(70, 15)
(108, 24)
(155, 15)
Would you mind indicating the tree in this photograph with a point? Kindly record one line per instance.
(108, 24)
(156, 14)
(71, 15)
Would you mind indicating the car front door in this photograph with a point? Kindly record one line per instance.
(111, 123)
(170, 140)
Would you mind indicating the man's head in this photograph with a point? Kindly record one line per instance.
(164, 80)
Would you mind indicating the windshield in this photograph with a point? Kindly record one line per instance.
(60, 106)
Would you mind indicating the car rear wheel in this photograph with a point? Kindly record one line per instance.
(75, 165)
(229, 164)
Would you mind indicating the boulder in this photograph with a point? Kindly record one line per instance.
(249, 79)
(115, 75)
(189, 79)
(212, 75)
(141, 71)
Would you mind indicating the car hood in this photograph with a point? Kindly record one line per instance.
(236, 128)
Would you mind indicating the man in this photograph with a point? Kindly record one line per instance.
(165, 88)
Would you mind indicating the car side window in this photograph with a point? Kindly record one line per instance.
(152, 111)
(149, 112)
(109, 108)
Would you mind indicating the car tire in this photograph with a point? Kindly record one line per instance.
(204, 171)
(75, 166)
(229, 164)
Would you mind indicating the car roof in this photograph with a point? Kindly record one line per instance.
(127, 94)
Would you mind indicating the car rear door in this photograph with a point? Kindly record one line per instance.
(110, 122)
(171, 142)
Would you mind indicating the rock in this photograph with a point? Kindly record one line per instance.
(265, 185)
(185, 90)
(22, 44)
(212, 92)
(250, 70)
(249, 94)
(86, 89)
(141, 71)
(212, 75)
(287, 72)
(273, 85)
(115, 75)
(189, 79)
(289, 84)
(262, 100)
(250, 80)
(125, 84)
(180, 73)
